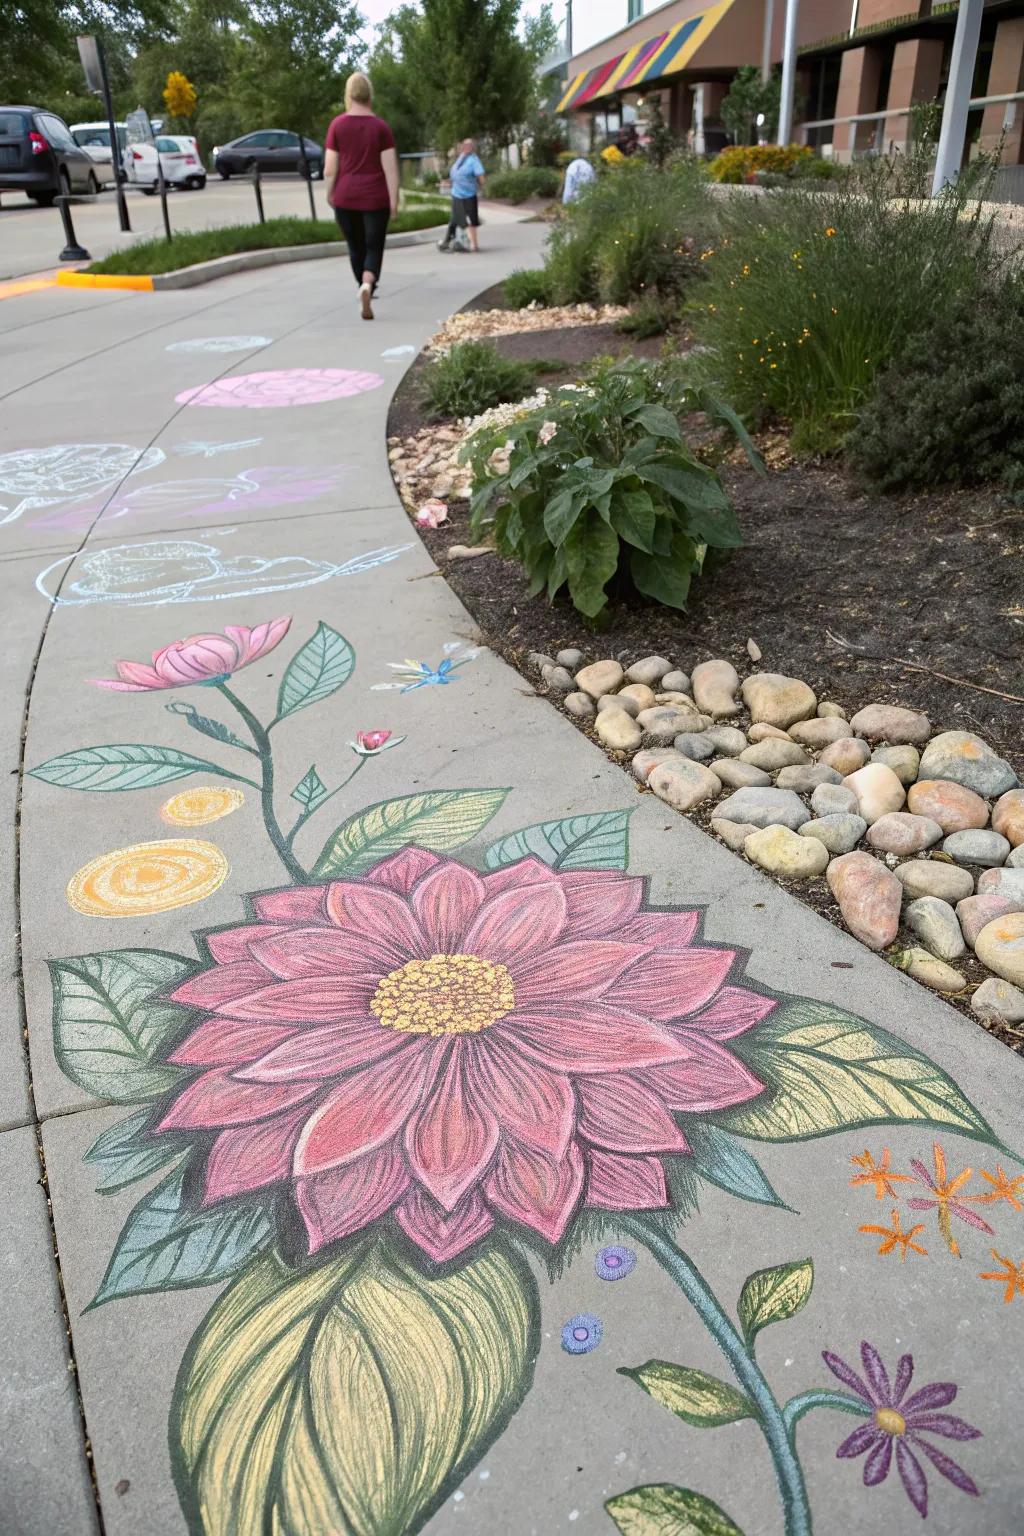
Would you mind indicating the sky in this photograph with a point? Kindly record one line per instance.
(376, 11)
(592, 19)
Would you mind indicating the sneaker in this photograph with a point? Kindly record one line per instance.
(365, 297)
(444, 245)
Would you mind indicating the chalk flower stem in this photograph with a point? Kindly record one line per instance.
(261, 739)
(311, 810)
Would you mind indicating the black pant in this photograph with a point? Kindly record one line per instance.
(364, 230)
(465, 210)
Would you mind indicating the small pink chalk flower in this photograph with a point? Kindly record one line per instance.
(369, 743)
(547, 432)
(432, 514)
(199, 659)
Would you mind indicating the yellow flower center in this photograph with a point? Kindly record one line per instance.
(890, 1421)
(445, 995)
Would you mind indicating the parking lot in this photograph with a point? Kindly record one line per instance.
(31, 238)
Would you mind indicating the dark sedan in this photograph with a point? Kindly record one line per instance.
(39, 157)
(272, 150)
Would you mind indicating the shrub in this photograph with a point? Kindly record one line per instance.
(630, 231)
(527, 285)
(596, 486)
(809, 294)
(471, 377)
(528, 181)
(949, 408)
(740, 162)
(649, 316)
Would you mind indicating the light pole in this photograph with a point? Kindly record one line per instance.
(958, 94)
(788, 73)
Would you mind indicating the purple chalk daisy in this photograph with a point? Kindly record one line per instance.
(902, 1421)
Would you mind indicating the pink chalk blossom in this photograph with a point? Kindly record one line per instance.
(451, 1050)
(199, 659)
(369, 743)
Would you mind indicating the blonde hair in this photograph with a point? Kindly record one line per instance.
(358, 88)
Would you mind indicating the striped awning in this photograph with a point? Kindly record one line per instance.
(665, 54)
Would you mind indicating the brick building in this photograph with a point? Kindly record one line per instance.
(861, 65)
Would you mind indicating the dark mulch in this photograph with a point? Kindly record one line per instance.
(836, 585)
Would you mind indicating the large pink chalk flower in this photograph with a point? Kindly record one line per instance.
(453, 1049)
(199, 659)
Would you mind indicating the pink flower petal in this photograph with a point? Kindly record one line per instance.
(514, 877)
(228, 1043)
(230, 944)
(617, 1183)
(251, 1156)
(366, 1109)
(403, 869)
(324, 1053)
(662, 930)
(442, 1234)
(671, 985)
(310, 1000)
(600, 902)
(622, 1114)
(106, 682)
(570, 971)
(139, 674)
(589, 1037)
(732, 1012)
(342, 1200)
(220, 984)
(376, 912)
(299, 904)
(217, 1099)
(445, 902)
(452, 1139)
(534, 1105)
(710, 1078)
(536, 1191)
(517, 923)
(293, 953)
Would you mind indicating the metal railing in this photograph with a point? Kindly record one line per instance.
(977, 103)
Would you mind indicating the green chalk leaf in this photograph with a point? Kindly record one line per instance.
(660, 1509)
(124, 766)
(439, 819)
(310, 790)
(318, 669)
(720, 1159)
(126, 1157)
(692, 1395)
(596, 841)
(774, 1296)
(109, 1030)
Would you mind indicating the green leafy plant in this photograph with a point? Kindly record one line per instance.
(527, 285)
(949, 410)
(596, 489)
(748, 98)
(471, 377)
(742, 162)
(528, 181)
(651, 315)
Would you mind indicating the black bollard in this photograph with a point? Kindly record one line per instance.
(258, 190)
(307, 173)
(162, 188)
(72, 250)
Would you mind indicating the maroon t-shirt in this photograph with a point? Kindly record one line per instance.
(360, 139)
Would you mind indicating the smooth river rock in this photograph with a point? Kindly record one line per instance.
(1000, 946)
(955, 808)
(715, 685)
(888, 722)
(966, 759)
(839, 832)
(737, 775)
(783, 852)
(977, 846)
(684, 784)
(771, 755)
(931, 971)
(648, 670)
(600, 677)
(997, 999)
(579, 704)
(806, 779)
(763, 807)
(931, 877)
(819, 732)
(904, 761)
(869, 897)
(644, 696)
(1008, 816)
(617, 729)
(618, 701)
(729, 741)
(733, 833)
(1007, 882)
(846, 755)
(763, 732)
(570, 658)
(694, 745)
(935, 923)
(650, 758)
(829, 711)
(676, 682)
(901, 832)
(976, 912)
(558, 679)
(878, 791)
(775, 699)
(833, 800)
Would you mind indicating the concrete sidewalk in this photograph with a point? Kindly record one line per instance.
(420, 1368)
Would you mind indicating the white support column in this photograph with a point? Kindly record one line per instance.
(789, 73)
(958, 94)
(766, 45)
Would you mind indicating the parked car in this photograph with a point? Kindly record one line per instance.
(272, 150)
(179, 159)
(38, 156)
(94, 138)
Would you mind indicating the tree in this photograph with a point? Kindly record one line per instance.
(749, 96)
(180, 95)
(395, 95)
(294, 62)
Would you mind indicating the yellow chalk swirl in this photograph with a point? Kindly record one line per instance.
(146, 878)
(205, 803)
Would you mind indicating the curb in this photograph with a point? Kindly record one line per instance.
(224, 266)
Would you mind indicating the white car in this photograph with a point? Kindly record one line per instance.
(94, 138)
(179, 159)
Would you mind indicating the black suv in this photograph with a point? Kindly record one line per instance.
(272, 150)
(38, 156)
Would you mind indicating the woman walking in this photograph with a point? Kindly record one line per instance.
(361, 170)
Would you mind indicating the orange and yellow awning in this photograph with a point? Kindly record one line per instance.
(665, 54)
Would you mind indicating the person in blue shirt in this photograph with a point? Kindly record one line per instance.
(467, 178)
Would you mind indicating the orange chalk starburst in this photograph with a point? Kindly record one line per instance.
(879, 1174)
(945, 1198)
(1012, 1276)
(1003, 1188)
(894, 1237)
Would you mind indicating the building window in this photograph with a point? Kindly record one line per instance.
(636, 10)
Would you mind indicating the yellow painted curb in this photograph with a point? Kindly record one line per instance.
(103, 280)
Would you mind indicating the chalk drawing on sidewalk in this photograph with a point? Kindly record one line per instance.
(147, 878)
(393, 352)
(198, 450)
(281, 387)
(198, 807)
(410, 675)
(185, 571)
(45, 477)
(220, 344)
